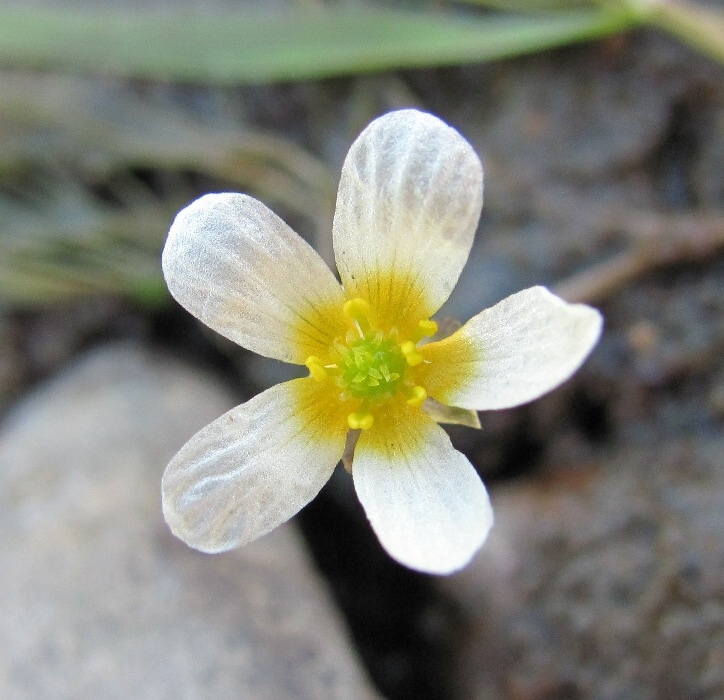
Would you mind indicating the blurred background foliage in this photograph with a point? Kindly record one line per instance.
(91, 173)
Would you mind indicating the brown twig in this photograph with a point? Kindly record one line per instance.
(658, 241)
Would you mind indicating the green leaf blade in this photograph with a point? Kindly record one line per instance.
(293, 45)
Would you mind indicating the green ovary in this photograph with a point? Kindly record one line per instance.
(371, 368)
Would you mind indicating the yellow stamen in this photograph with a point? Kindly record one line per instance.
(316, 368)
(360, 312)
(360, 420)
(425, 329)
(417, 396)
(409, 350)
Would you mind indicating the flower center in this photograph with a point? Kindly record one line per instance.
(369, 367)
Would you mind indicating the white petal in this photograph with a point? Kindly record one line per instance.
(253, 468)
(423, 498)
(409, 201)
(240, 269)
(512, 353)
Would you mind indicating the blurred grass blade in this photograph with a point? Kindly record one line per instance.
(230, 48)
(701, 27)
(65, 252)
(92, 173)
(531, 6)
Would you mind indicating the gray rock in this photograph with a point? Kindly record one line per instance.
(97, 598)
(603, 581)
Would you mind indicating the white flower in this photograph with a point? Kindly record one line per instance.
(409, 200)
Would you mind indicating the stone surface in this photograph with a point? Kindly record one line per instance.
(602, 580)
(98, 600)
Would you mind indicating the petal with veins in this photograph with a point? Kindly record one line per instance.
(240, 269)
(423, 498)
(513, 352)
(253, 468)
(408, 205)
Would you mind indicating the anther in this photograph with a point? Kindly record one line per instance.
(316, 368)
(425, 329)
(417, 396)
(360, 420)
(360, 312)
(409, 350)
